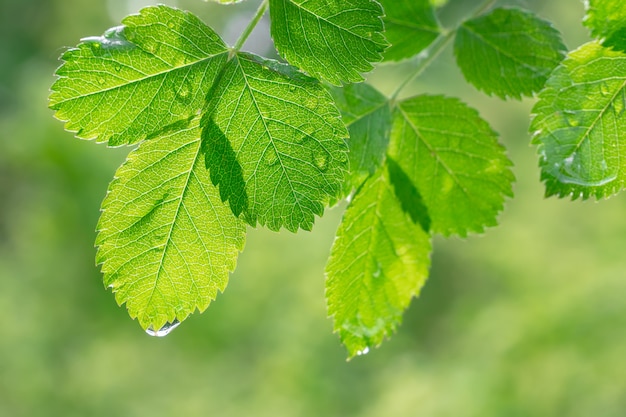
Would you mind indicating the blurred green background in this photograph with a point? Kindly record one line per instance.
(528, 320)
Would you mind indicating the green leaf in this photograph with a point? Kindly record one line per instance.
(286, 156)
(367, 114)
(138, 78)
(333, 40)
(607, 20)
(410, 26)
(379, 261)
(454, 160)
(580, 125)
(508, 52)
(166, 241)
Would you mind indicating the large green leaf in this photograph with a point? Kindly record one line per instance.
(275, 143)
(166, 241)
(138, 78)
(453, 158)
(378, 262)
(607, 20)
(410, 26)
(333, 40)
(508, 52)
(580, 125)
(367, 114)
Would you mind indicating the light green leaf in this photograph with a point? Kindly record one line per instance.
(138, 78)
(275, 143)
(508, 52)
(580, 125)
(367, 114)
(333, 40)
(607, 20)
(410, 26)
(166, 241)
(379, 261)
(454, 160)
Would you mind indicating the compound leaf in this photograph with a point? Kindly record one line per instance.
(138, 78)
(453, 159)
(166, 241)
(580, 125)
(367, 114)
(607, 20)
(379, 261)
(286, 155)
(333, 40)
(410, 26)
(508, 52)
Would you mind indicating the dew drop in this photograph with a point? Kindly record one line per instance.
(101, 81)
(118, 68)
(321, 158)
(363, 352)
(270, 157)
(292, 88)
(605, 89)
(170, 25)
(165, 330)
(184, 92)
(571, 119)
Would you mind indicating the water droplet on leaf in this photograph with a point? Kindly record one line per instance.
(270, 157)
(292, 88)
(184, 92)
(363, 352)
(101, 81)
(321, 158)
(605, 89)
(163, 331)
(618, 104)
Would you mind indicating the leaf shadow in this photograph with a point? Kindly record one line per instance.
(408, 195)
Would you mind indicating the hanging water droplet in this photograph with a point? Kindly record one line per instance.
(270, 157)
(163, 331)
(321, 158)
(363, 352)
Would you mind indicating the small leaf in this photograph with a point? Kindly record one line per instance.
(508, 52)
(333, 40)
(285, 134)
(379, 261)
(580, 125)
(607, 20)
(367, 114)
(454, 160)
(410, 26)
(166, 241)
(139, 78)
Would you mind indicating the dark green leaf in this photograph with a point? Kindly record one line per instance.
(508, 52)
(333, 40)
(410, 26)
(367, 114)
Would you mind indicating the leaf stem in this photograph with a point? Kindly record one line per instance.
(427, 56)
(255, 21)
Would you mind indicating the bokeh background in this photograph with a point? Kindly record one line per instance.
(527, 320)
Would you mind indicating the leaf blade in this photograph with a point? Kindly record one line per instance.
(288, 140)
(578, 124)
(606, 20)
(453, 158)
(166, 242)
(410, 26)
(334, 40)
(508, 52)
(378, 263)
(138, 78)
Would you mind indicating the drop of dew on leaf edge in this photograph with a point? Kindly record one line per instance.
(163, 331)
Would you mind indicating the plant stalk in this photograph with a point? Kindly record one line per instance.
(255, 21)
(435, 48)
